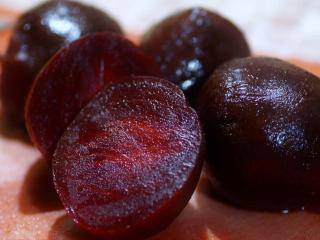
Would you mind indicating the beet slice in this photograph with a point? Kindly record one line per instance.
(125, 169)
(72, 77)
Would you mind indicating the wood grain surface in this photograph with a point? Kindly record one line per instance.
(30, 209)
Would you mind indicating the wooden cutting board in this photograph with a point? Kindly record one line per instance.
(30, 209)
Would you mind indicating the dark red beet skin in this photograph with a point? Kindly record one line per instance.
(190, 44)
(72, 77)
(261, 119)
(39, 34)
(124, 169)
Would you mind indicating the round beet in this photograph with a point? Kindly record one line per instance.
(261, 119)
(72, 77)
(124, 169)
(39, 34)
(190, 44)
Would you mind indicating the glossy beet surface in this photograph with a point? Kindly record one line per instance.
(38, 34)
(191, 44)
(261, 118)
(125, 168)
(72, 77)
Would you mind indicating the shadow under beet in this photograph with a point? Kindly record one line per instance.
(188, 226)
(64, 228)
(205, 220)
(11, 131)
(37, 193)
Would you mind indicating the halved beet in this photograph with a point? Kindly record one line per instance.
(72, 77)
(125, 169)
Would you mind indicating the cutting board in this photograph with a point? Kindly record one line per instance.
(30, 209)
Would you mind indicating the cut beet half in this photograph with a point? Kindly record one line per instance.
(124, 169)
(73, 76)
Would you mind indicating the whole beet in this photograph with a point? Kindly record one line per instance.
(190, 44)
(261, 119)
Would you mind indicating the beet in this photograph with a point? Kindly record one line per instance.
(125, 168)
(261, 119)
(72, 77)
(190, 44)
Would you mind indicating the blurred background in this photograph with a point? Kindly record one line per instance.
(283, 28)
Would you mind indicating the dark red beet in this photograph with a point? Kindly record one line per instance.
(191, 44)
(261, 118)
(72, 77)
(125, 169)
(38, 34)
